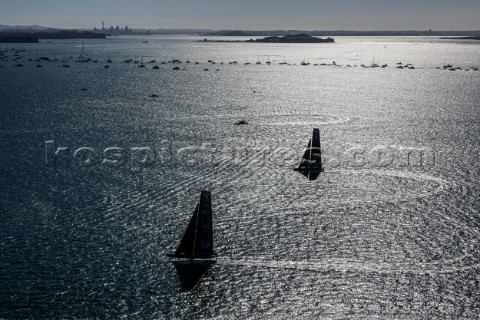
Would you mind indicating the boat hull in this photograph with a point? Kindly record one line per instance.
(194, 262)
(189, 260)
(305, 169)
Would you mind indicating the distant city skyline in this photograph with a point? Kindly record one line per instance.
(247, 14)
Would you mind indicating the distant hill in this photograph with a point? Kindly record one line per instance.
(295, 38)
(27, 36)
(32, 27)
(181, 31)
(11, 38)
(292, 38)
(233, 33)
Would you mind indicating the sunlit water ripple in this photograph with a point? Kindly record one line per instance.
(395, 240)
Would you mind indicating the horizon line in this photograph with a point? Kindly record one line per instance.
(244, 30)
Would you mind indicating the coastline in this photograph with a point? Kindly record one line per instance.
(460, 38)
(295, 38)
(33, 37)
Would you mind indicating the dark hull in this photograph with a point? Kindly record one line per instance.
(312, 168)
(173, 255)
(190, 260)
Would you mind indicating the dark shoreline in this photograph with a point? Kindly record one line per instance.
(295, 38)
(17, 39)
(33, 37)
(460, 38)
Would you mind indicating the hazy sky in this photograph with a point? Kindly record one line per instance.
(247, 14)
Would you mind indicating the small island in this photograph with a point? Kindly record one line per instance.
(294, 38)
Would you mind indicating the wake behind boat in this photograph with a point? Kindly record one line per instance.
(196, 246)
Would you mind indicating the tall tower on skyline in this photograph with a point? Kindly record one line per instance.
(103, 25)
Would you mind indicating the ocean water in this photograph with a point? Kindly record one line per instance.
(98, 184)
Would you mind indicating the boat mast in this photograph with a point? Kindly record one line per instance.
(310, 155)
(82, 51)
(196, 229)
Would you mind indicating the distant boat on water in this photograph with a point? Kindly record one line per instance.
(305, 63)
(82, 57)
(311, 164)
(196, 246)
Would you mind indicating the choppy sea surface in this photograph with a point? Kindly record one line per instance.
(101, 169)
